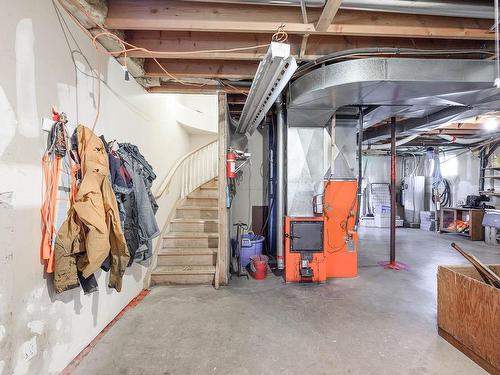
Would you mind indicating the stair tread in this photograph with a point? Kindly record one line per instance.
(191, 220)
(184, 270)
(191, 235)
(208, 187)
(203, 208)
(187, 251)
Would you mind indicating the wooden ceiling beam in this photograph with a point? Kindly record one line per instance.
(184, 43)
(225, 17)
(327, 15)
(202, 69)
(178, 88)
(316, 46)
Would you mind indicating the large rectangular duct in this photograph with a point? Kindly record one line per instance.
(420, 89)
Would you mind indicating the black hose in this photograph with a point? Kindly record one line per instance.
(445, 196)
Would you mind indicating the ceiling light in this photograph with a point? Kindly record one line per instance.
(490, 124)
(272, 76)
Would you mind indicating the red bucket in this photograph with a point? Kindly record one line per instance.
(258, 266)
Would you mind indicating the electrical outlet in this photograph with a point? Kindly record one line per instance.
(30, 349)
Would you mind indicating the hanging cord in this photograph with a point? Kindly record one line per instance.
(279, 36)
(98, 109)
(445, 195)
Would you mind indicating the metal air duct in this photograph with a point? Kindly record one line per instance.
(428, 92)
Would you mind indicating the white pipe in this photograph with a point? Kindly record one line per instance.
(387, 146)
(460, 141)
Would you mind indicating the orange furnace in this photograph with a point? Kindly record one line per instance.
(324, 246)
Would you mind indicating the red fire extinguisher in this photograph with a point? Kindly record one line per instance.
(231, 164)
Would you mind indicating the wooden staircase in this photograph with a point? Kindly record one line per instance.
(189, 248)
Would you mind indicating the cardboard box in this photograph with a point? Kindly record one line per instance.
(468, 314)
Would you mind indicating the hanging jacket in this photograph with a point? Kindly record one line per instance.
(92, 228)
(145, 170)
(140, 222)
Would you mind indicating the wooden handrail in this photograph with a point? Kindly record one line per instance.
(168, 179)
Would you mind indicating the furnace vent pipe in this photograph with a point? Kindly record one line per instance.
(280, 180)
(360, 164)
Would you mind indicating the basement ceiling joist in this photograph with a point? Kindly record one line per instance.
(214, 17)
(317, 45)
(237, 70)
(178, 88)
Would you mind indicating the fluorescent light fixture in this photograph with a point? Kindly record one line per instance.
(272, 76)
(491, 123)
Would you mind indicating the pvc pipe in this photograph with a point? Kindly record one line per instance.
(387, 146)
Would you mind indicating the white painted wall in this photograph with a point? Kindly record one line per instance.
(197, 113)
(460, 168)
(36, 72)
(252, 182)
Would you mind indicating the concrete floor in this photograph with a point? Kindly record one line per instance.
(383, 322)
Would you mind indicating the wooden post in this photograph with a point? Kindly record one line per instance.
(221, 269)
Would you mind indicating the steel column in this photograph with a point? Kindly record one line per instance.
(393, 192)
(392, 264)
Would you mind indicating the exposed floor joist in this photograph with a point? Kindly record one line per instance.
(238, 70)
(181, 44)
(213, 17)
(178, 88)
(327, 15)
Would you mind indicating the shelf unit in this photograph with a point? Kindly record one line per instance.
(492, 177)
(473, 215)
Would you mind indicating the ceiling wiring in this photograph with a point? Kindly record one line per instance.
(279, 36)
(78, 51)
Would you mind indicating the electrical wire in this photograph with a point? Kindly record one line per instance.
(67, 33)
(98, 109)
(279, 36)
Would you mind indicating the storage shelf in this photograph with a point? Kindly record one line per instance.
(493, 177)
(491, 168)
(491, 193)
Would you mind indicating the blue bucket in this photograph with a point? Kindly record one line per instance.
(251, 244)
